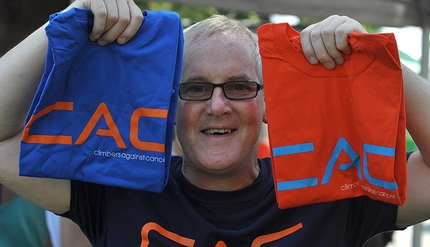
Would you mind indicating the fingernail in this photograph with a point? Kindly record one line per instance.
(339, 61)
(102, 42)
(329, 65)
(313, 60)
(122, 41)
(97, 35)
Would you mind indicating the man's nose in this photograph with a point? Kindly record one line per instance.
(218, 104)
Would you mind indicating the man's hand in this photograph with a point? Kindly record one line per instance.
(325, 41)
(114, 20)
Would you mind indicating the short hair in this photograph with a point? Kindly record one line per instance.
(220, 23)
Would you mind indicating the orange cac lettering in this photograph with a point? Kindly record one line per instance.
(112, 130)
(152, 226)
(134, 128)
(220, 244)
(264, 239)
(47, 139)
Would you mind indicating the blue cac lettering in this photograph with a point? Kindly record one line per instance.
(341, 145)
(378, 150)
(295, 149)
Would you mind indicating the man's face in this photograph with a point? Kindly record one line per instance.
(219, 136)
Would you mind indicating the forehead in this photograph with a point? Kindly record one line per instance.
(220, 56)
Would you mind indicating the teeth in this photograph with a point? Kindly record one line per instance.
(218, 131)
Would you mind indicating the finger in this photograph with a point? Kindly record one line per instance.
(127, 22)
(341, 40)
(334, 41)
(136, 19)
(335, 36)
(307, 48)
(331, 52)
(327, 40)
(100, 12)
(342, 33)
(115, 21)
(315, 46)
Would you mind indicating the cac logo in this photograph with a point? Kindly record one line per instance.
(112, 130)
(189, 242)
(342, 145)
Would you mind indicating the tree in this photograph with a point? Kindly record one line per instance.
(18, 18)
(190, 14)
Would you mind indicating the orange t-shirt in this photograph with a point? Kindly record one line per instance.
(337, 133)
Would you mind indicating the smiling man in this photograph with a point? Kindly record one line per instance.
(219, 193)
(221, 134)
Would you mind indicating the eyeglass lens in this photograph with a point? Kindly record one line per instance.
(232, 90)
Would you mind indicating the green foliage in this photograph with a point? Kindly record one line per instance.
(191, 14)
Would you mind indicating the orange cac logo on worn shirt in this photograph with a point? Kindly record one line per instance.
(338, 133)
(183, 241)
(101, 111)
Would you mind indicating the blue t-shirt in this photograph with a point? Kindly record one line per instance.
(184, 215)
(105, 114)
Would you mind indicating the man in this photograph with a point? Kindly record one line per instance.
(219, 193)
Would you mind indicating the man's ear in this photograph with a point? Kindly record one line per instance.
(265, 117)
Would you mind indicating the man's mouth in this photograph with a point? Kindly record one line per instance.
(218, 131)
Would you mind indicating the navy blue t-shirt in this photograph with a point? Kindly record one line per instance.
(184, 215)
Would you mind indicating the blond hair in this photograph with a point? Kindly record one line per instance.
(221, 23)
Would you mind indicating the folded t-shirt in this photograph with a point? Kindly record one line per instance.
(334, 133)
(105, 114)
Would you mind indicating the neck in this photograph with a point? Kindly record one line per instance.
(221, 180)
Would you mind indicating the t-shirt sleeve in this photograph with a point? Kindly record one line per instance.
(87, 208)
(365, 213)
(371, 217)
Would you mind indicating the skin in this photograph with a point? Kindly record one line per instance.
(225, 161)
(21, 69)
(219, 162)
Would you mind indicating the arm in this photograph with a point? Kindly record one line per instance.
(417, 101)
(72, 235)
(21, 69)
(325, 42)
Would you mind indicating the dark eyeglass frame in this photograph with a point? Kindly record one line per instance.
(221, 85)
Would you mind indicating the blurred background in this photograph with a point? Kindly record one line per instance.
(409, 20)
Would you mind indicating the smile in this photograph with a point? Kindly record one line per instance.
(217, 131)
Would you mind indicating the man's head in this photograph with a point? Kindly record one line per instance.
(219, 136)
(220, 23)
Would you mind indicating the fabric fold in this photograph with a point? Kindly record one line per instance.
(105, 114)
(337, 133)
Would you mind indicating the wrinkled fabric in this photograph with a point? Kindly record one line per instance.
(105, 114)
(337, 133)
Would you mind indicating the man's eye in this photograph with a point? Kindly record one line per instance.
(240, 86)
(196, 89)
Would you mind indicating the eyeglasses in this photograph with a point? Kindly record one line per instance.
(233, 90)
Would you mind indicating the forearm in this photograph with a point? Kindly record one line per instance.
(20, 69)
(51, 194)
(417, 101)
